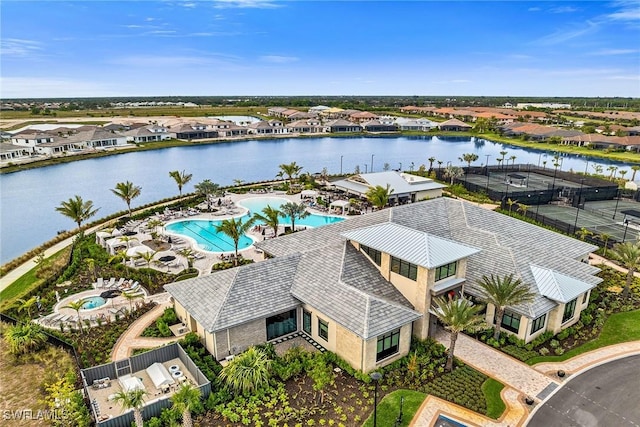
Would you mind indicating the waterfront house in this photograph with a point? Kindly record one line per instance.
(454, 125)
(341, 125)
(362, 287)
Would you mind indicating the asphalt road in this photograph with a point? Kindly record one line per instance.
(605, 396)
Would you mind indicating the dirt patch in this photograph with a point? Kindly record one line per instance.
(157, 245)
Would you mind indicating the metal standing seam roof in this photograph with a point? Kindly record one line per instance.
(557, 286)
(399, 183)
(411, 245)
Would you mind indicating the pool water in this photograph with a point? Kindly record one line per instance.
(208, 239)
(93, 302)
(257, 204)
(443, 421)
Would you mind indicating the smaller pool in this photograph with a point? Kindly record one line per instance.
(93, 302)
(443, 421)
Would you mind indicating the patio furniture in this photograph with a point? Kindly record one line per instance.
(111, 282)
(120, 282)
(100, 283)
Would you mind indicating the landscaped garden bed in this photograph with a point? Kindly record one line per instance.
(161, 326)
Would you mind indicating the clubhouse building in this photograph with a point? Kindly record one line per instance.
(362, 287)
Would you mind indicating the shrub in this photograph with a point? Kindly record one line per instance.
(544, 351)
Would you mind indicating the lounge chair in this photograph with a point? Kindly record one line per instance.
(120, 282)
(100, 283)
(111, 282)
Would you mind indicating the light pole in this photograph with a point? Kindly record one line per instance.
(372, 162)
(375, 376)
(538, 205)
(400, 166)
(341, 164)
(626, 226)
(487, 166)
(575, 223)
(366, 168)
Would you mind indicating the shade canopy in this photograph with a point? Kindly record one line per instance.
(130, 383)
(159, 375)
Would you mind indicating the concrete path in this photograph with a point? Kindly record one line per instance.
(599, 260)
(506, 369)
(131, 338)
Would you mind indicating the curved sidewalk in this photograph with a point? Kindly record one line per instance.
(131, 338)
(506, 369)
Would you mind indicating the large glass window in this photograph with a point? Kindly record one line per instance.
(281, 324)
(306, 321)
(511, 321)
(569, 310)
(404, 268)
(538, 323)
(375, 255)
(388, 344)
(447, 270)
(323, 329)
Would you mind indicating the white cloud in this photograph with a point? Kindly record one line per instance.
(609, 52)
(246, 4)
(175, 61)
(630, 14)
(567, 34)
(632, 77)
(37, 87)
(278, 59)
(19, 47)
(563, 9)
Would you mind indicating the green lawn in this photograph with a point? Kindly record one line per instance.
(389, 408)
(495, 406)
(26, 282)
(619, 327)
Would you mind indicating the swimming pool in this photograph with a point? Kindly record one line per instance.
(93, 302)
(208, 239)
(256, 205)
(443, 421)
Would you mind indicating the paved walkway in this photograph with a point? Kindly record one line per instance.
(494, 363)
(599, 260)
(131, 338)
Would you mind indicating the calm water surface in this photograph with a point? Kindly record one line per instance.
(29, 198)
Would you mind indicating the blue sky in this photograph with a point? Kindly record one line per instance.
(256, 47)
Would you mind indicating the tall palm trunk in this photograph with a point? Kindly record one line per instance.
(186, 418)
(496, 331)
(627, 284)
(449, 365)
(137, 417)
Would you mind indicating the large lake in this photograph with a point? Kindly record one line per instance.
(29, 198)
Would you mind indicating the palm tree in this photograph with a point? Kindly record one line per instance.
(294, 211)
(440, 162)
(513, 160)
(628, 254)
(623, 172)
(77, 306)
(612, 169)
(503, 292)
(378, 196)
(189, 254)
(181, 179)
(431, 160)
(511, 203)
(26, 305)
(77, 209)
(503, 154)
(270, 216)
(153, 225)
(523, 208)
(208, 189)
(453, 172)
(291, 170)
(127, 192)
(235, 229)
(605, 239)
(132, 399)
(185, 400)
(91, 265)
(469, 158)
(634, 168)
(247, 372)
(583, 233)
(458, 315)
(131, 296)
(24, 338)
(147, 257)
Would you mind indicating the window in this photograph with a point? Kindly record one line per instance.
(404, 268)
(388, 344)
(584, 297)
(375, 255)
(323, 329)
(447, 270)
(569, 310)
(511, 322)
(282, 324)
(538, 323)
(306, 321)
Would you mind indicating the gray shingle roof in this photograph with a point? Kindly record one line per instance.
(416, 247)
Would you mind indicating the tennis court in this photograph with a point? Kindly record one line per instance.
(598, 221)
